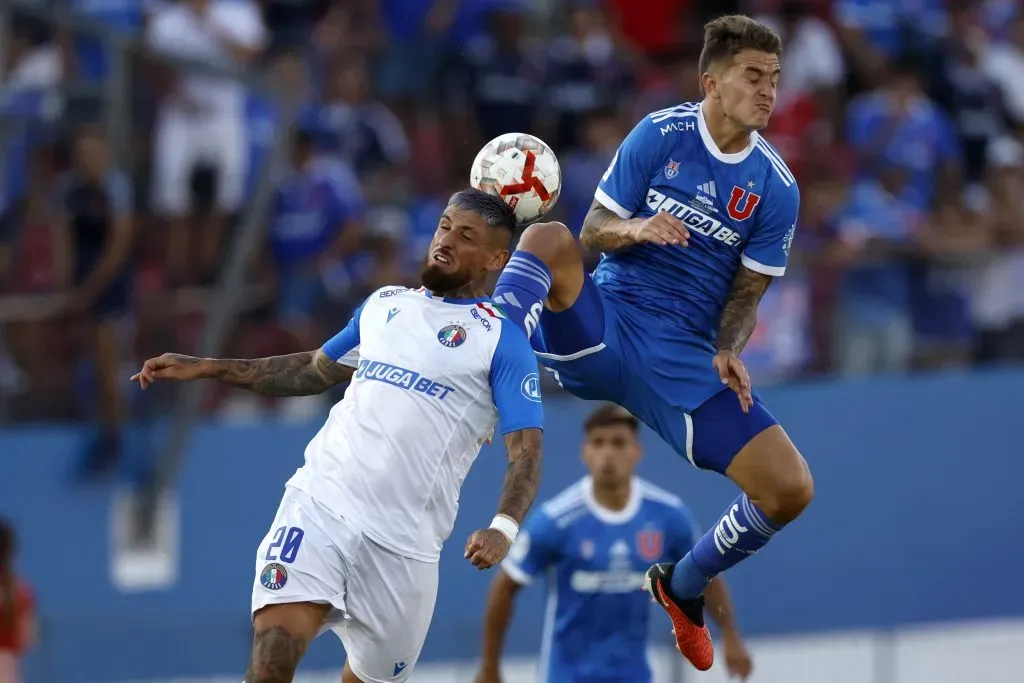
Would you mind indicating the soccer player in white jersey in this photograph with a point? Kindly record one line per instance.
(355, 544)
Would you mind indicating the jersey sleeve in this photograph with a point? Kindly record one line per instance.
(515, 384)
(623, 187)
(344, 347)
(536, 548)
(767, 251)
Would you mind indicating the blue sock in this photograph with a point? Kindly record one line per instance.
(742, 530)
(522, 289)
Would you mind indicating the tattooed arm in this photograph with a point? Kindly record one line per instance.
(739, 317)
(523, 474)
(603, 230)
(487, 548)
(297, 374)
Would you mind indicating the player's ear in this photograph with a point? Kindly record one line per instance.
(499, 257)
(709, 84)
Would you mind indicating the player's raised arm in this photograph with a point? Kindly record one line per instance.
(515, 388)
(764, 257)
(609, 225)
(296, 374)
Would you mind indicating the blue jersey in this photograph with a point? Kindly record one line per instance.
(740, 208)
(594, 560)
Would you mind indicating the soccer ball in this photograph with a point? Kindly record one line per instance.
(522, 170)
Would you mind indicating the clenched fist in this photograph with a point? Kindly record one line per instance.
(662, 229)
(487, 548)
(171, 366)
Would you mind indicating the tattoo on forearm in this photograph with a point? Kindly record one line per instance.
(603, 230)
(523, 475)
(739, 317)
(297, 374)
(275, 656)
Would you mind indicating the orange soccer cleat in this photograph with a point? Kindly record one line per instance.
(693, 639)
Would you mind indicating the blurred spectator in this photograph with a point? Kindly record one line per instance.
(315, 225)
(93, 235)
(874, 32)
(898, 123)
(497, 87)
(583, 167)
(415, 30)
(291, 22)
(952, 242)
(17, 610)
(876, 235)
(585, 71)
(677, 82)
(362, 131)
(29, 103)
(997, 304)
(35, 62)
(200, 145)
(92, 60)
(1003, 61)
(656, 28)
(970, 96)
(813, 74)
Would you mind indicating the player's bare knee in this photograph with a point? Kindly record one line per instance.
(550, 242)
(790, 495)
(275, 656)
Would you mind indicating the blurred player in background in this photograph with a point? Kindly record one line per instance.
(593, 543)
(17, 611)
(694, 217)
(357, 538)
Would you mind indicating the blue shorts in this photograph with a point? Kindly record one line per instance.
(606, 349)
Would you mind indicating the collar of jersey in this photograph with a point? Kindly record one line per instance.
(712, 147)
(607, 516)
(449, 300)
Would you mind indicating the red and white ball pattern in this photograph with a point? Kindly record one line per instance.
(521, 169)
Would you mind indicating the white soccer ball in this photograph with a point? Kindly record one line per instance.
(521, 169)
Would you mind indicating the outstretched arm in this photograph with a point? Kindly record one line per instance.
(296, 374)
(739, 317)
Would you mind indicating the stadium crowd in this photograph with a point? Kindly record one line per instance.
(903, 120)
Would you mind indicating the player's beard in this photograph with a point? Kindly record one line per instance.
(436, 279)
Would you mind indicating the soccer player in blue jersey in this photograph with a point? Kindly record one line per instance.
(593, 544)
(694, 218)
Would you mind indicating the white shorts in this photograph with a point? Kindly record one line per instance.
(182, 142)
(382, 602)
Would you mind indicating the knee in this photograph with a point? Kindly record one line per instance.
(547, 241)
(275, 656)
(790, 495)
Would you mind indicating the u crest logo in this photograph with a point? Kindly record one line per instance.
(742, 203)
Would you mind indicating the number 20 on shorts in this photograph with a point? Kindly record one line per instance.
(288, 540)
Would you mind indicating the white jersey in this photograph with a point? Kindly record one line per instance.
(433, 376)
